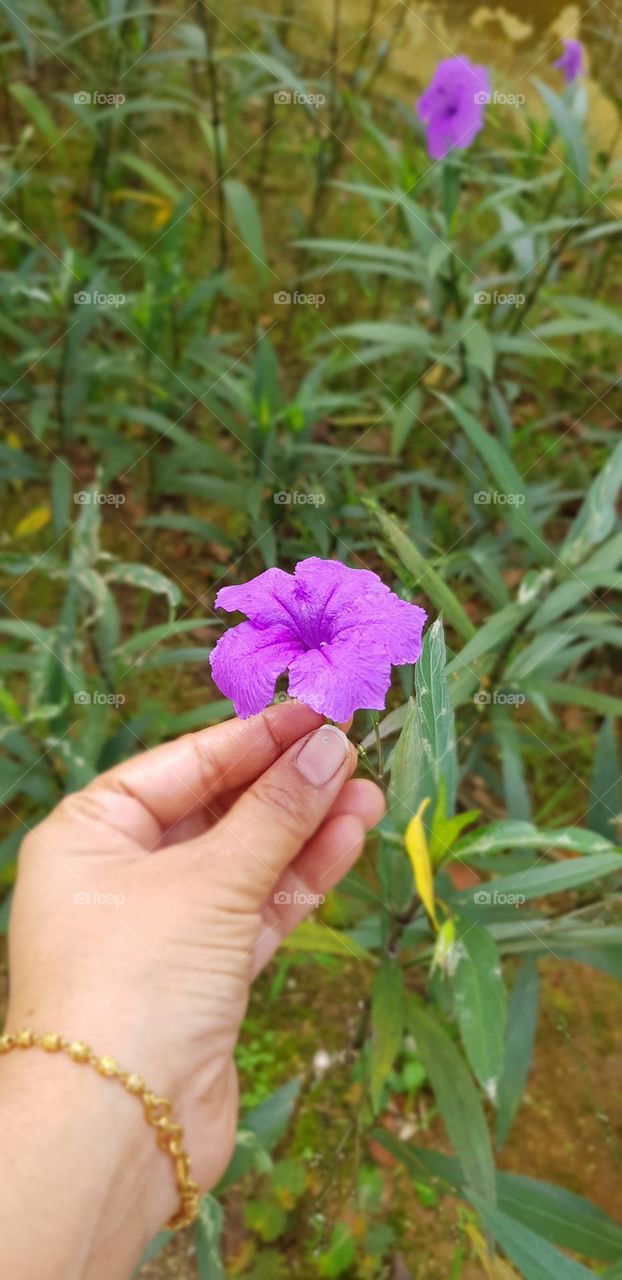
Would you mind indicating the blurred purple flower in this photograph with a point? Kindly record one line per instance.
(452, 106)
(336, 630)
(571, 60)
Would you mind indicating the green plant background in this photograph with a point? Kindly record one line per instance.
(247, 320)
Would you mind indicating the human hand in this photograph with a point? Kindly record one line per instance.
(147, 902)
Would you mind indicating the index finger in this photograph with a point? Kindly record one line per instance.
(179, 778)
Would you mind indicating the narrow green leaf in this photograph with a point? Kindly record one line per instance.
(606, 785)
(513, 834)
(479, 349)
(571, 873)
(560, 1216)
(535, 1257)
(457, 1099)
(208, 1229)
(434, 726)
(516, 510)
(521, 1028)
(597, 516)
(247, 220)
(31, 103)
(480, 1004)
(387, 1021)
(425, 575)
(321, 939)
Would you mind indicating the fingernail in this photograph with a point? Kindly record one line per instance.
(322, 755)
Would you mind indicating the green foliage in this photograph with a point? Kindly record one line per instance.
(238, 332)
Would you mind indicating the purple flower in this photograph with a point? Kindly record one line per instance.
(336, 630)
(571, 60)
(452, 106)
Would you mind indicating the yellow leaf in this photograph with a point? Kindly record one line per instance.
(417, 850)
(161, 206)
(495, 1268)
(33, 522)
(13, 440)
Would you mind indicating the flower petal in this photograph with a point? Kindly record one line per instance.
(339, 678)
(247, 661)
(266, 599)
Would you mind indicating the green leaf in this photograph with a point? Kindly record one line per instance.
(513, 834)
(434, 728)
(519, 1040)
(340, 1254)
(479, 349)
(152, 176)
(597, 516)
(269, 1120)
(145, 578)
(266, 1217)
(457, 1099)
(387, 1022)
(489, 637)
(208, 1229)
(322, 939)
(260, 1130)
(576, 695)
(571, 873)
(517, 510)
(245, 214)
(599, 570)
(425, 576)
(33, 106)
(404, 782)
(480, 1004)
(569, 129)
(535, 1257)
(560, 1216)
(606, 785)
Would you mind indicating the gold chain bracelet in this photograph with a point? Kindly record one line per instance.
(157, 1110)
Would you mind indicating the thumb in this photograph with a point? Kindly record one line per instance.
(268, 826)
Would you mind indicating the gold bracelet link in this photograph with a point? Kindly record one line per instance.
(169, 1135)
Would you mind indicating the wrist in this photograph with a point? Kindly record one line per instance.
(84, 1150)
